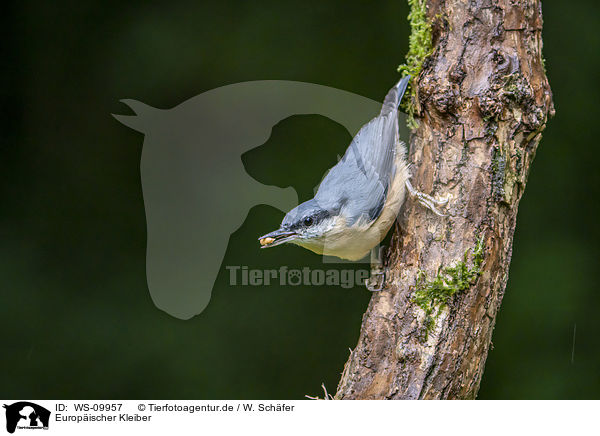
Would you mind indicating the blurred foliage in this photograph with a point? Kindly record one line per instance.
(77, 318)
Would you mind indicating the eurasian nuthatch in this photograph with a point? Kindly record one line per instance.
(360, 197)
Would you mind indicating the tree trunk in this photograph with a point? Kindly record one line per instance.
(481, 100)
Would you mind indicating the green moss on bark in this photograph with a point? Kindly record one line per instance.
(419, 47)
(434, 295)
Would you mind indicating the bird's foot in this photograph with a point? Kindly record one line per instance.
(376, 281)
(426, 200)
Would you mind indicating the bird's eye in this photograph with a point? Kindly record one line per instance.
(308, 221)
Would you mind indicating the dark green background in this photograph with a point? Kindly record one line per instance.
(77, 319)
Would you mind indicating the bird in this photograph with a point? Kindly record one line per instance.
(360, 197)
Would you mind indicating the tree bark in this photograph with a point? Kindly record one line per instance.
(482, 100)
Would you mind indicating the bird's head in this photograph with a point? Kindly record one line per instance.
(308, 225)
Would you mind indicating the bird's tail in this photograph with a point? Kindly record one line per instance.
(394, 96)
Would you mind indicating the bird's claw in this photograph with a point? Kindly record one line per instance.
(376, 281)
(427, 200)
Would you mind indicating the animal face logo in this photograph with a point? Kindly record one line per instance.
(24, 414)
(196, 190)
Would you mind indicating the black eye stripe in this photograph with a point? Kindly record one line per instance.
(315, 218)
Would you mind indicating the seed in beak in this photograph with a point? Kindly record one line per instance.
(265, 241)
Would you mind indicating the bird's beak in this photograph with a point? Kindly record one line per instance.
(277, 237)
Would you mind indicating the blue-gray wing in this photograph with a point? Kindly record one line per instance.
(360, 180)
